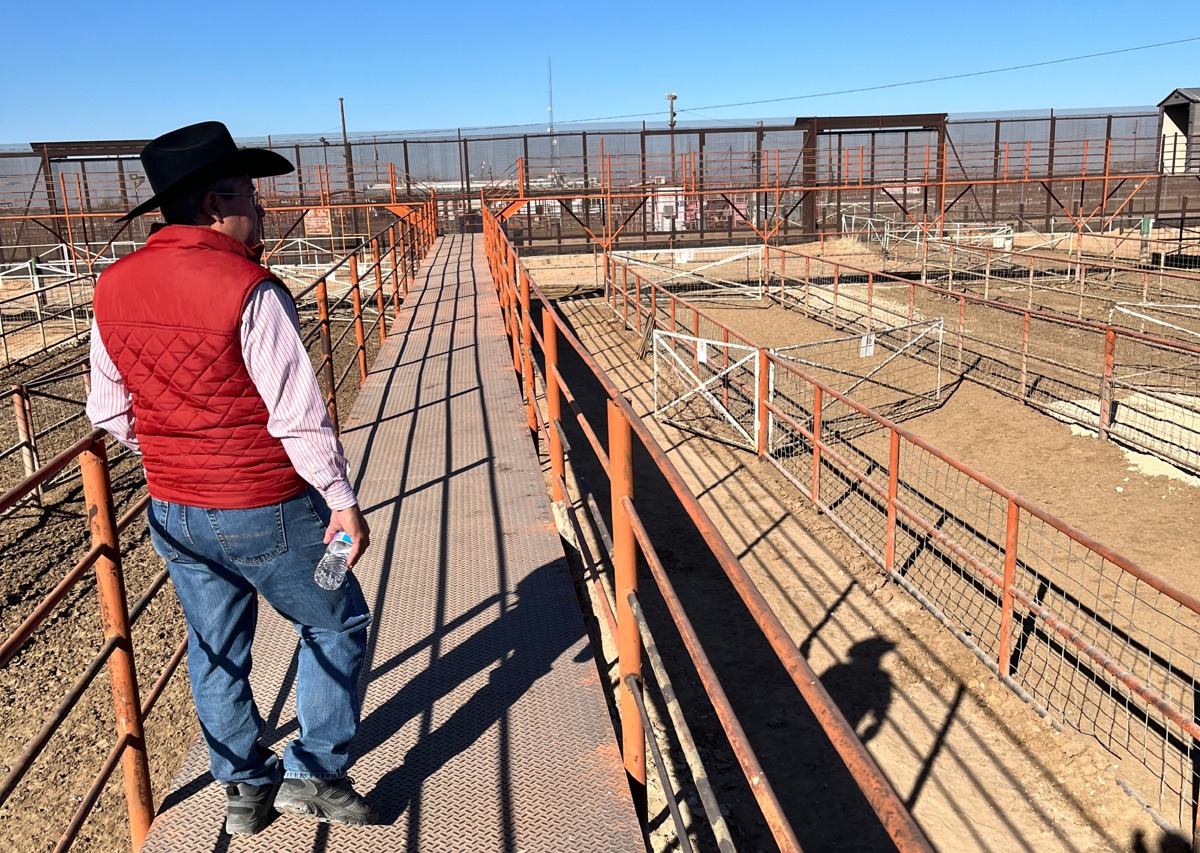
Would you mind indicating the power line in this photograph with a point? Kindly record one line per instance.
(905, 83)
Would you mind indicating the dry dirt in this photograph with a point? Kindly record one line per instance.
(979, 769)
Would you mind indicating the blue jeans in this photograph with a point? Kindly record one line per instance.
(221, 560)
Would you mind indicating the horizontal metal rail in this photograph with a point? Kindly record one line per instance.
(515, 287)
(1007, 555)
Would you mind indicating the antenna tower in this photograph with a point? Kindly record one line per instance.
(550, 112)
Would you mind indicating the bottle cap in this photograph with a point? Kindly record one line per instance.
(343, 536)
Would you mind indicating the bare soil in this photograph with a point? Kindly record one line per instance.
(979, 769)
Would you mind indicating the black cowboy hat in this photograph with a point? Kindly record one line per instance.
(194, 156)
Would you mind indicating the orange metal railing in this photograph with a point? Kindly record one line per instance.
(403, 244)
(1045, 359)
(1050, 610)
(516, 293)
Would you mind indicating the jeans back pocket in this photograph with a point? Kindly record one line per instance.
(250, 536)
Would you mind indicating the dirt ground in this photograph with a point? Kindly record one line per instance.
(978, 767)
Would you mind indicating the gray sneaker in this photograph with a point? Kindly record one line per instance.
(249, 808)
(328, 800)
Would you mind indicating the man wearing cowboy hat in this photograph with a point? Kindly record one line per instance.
(197, 364)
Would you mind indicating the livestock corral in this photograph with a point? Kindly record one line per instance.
(1013, 459)
(955, 446)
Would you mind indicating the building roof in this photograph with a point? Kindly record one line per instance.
(1192, 95)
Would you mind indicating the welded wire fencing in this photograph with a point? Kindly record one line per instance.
(1084, 634)
(1123, 384)
(517, 296)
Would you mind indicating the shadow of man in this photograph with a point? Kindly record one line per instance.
(515, 650)
(1168, 842)
(860, 687)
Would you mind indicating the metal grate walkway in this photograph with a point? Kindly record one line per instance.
(484, 725)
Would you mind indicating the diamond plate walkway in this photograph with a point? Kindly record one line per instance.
(484, 726)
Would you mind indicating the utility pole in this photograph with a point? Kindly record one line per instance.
(349, 163)
(550, 119)
(671, 96)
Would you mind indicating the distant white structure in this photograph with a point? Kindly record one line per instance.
(1179, 132)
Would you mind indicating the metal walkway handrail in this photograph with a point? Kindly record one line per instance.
(516, 289)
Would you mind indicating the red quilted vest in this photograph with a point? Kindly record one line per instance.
(170, 317)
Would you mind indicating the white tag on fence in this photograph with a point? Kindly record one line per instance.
(866, 346)
(702, 352)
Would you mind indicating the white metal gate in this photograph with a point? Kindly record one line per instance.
(706, 387)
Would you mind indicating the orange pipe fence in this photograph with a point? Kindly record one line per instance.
(104, 556)
(1003, 555)
(623, 422)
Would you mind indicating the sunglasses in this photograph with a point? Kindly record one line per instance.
(252, 195)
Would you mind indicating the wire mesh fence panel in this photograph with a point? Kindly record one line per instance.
(699, 273)
(894, 371)
(42, 310)
(1146, 398)
(1101, 630)
(1155, 399)
(1086, 632)
(707, 387)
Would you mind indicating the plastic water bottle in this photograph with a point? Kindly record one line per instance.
(331, 571)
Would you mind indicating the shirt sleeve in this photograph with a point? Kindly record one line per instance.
(281, 371)
(109, 405)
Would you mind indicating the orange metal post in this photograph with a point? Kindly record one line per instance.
(629, 644)
(807, 281)
(399, 270)
(114, 617)
(962, 328)
(27, 434)
(1106, 382)
(377, 253)
(527, 356)
(553, 404)
(816, 473)
(889, 548)
(1006, 599)
(870, 299)
(837, 280)
(327, 353)
(360, 336)
(764, 367)
(637, 303)
(1024, 354)
(510, 299)
(625, 295)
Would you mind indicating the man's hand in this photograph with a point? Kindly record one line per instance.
(352, 522)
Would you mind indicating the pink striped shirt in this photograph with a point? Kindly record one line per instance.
(282, 373)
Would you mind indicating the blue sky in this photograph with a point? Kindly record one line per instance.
(136, 69)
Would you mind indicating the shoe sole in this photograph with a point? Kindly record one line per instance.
(310, 809)
(249, 829)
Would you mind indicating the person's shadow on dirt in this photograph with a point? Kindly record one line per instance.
(1168, 842)
(515, 650)
(860, 687)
